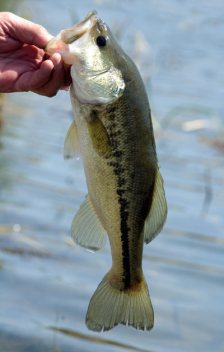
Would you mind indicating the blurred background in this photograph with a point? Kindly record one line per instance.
(45, 280)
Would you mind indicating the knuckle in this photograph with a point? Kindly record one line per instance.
(45, 91)
(51, 94)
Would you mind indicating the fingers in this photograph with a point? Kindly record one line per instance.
(34, 78)
(55, 79)
(51, 75)
(26, 31)
(47, 79)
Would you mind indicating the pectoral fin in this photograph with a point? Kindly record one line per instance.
(158, 211)
(71, 144)
(87, 230)
(99, 136)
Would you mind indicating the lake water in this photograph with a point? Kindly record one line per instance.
(45, 280)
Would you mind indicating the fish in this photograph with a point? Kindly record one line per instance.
(112, 131)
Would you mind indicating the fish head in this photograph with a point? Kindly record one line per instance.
(93, 53)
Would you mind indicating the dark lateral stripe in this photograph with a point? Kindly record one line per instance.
(124, 229)
(114, 133)
(125, 242)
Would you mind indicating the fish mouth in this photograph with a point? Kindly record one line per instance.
(69, 35)
(59, 44)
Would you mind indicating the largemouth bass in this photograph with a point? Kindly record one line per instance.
(113, 132)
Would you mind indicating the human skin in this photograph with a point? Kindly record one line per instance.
(24, 66)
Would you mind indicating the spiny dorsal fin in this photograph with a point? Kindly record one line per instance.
(158, 211)
(87, 230)
(71, 144)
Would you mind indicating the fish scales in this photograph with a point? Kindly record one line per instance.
(131, 192)
(125, 198)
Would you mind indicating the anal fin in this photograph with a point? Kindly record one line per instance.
(86, 229)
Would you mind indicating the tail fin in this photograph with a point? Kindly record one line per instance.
(109, 307)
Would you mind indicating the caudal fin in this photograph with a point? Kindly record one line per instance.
(109, 307)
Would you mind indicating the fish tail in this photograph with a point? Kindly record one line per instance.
(110, 306)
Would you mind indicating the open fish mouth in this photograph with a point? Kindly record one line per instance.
(60, 43)
(69, 35)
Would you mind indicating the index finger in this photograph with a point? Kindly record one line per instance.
(27, 31)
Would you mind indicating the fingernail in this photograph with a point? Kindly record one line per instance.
(56, 58)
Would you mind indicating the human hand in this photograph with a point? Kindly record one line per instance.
(24, 66)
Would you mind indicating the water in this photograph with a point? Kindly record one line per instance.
(47, 281)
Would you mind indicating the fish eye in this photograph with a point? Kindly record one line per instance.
(101, 41)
